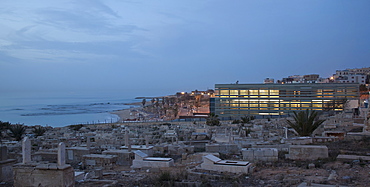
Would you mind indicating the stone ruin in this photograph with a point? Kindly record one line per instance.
(30, 173)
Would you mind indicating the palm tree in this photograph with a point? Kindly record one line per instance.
(213, 120)
(39, 131)
(143, 102)
(3, 127)
(246, 119)
(16, 131)
(305, 122)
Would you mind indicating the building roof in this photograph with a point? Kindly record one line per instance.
(232, 163)
(139, 147)
(158, 159)
(141, 154)
(212, 158)
(99, 156)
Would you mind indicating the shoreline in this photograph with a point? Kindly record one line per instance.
(122, 114)
(129, 113)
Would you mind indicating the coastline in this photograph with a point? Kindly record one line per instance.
(123, 114)
(128, 113)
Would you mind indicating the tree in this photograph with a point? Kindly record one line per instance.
(16, 131)
(3, 127)
(213, 120)
(246, 119)
(75, 127)
(38, 130)
(235, 121)
(305, 122)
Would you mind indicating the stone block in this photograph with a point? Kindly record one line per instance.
(3, 153)
(307, 152)
(260, 154)
(27, 175)
(6, 170)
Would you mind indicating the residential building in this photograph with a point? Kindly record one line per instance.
(312, 78)
(237, 100)
(357, 75)
(268, 81)
(351, 78)
(365, 71)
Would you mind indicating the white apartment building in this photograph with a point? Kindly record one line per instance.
(350, 76)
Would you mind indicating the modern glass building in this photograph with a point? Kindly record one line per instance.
(237, 100)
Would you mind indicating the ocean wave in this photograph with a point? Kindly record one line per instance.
(62, 113)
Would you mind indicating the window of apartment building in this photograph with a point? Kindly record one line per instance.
(253, 93)
(243, 92)
(263, 103)
(224, 92)
(317, 105)
(274, 92)
(253, 103)
(234, 92)
(264, 93)
(244, 105)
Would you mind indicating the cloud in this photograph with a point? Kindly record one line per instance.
(6, 58)
(84, 21)
(98, 6)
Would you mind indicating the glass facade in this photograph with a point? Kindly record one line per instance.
(236, 100)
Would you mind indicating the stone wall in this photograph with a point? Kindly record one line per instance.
(43, 175)
(152, 164)
(94, 161)
(307, 152)
(6, 170)
(75, 154)
(223, 148)
(124, 158)
(260, 154)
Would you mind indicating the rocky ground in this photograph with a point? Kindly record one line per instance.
(281, 173)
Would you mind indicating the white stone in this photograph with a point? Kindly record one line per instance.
(26, 150)
(61, 154)
(70, 154)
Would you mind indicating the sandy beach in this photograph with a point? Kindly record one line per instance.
(130, 113)
(123, 114)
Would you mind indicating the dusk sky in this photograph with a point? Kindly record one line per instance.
(164, 46)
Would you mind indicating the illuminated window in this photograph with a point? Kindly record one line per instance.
(234, 92)
(264, 92)
(305, 105)
(263, 105)
(244, 105)
(295, 105)
(274, 93)
(243, 92)
(224, 92)
(253, 103)
(253, 93)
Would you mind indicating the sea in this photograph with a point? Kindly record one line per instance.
(58, 109)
